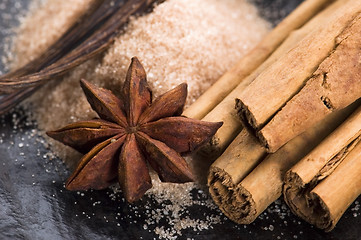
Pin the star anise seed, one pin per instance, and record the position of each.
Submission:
(132, 131)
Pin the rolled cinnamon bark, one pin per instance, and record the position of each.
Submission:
(239, 159)
(225, 111)
(324, 183)
(334, 85)
(335, 194)
(243, 185)
(226, 173)
(220, 89)
(276, 85)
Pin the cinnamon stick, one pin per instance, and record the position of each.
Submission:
(244, 181)
(220, 89)
(225, 111)
(325, 182)
(276, 85)
(334, 85)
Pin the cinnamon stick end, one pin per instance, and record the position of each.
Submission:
(306, 204)
(246, 116)
(233, 200)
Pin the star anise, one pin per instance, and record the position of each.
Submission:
(131, 132)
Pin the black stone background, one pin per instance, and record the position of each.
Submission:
(35, 205)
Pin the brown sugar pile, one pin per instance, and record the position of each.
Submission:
(193, 41)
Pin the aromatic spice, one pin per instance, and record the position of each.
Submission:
(141, 129)
(304, 92)
(323, 184)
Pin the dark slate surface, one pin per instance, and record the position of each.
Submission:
(35, 205)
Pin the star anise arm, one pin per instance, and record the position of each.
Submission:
(181, 134)
(169, 104)
(133, 173)
(136, 92)
(169, 165)
(98, 168)
(84, 135)
(105, 103)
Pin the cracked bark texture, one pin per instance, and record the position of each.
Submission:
(321, 186)
(225, 111)
(271, 90)
(333, 86)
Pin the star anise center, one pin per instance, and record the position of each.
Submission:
(131, 129)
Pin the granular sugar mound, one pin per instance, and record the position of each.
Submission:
(192, 41)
